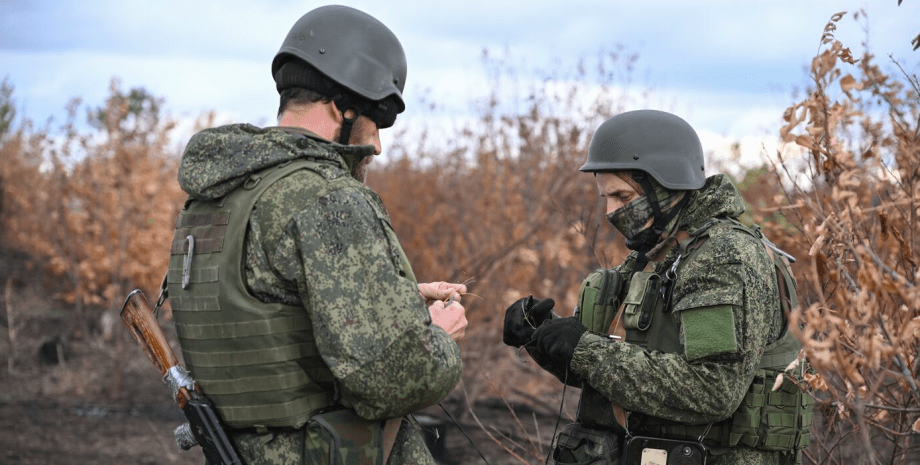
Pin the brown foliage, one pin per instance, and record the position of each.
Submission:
(504, 206)
(857, 217)
(500, 204)
(95, 207)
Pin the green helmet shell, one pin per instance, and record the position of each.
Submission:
(350, 47)
(656, 142)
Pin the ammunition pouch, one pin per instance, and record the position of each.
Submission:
(344, 438)
(766, 420)
(598, 299)
(773, 420)
(641, 300)
(577, 445)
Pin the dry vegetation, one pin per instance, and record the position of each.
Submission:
(500, 204)
(857, 230)
(96, 208)
(503, 206)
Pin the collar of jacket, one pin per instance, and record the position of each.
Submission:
(351, 154)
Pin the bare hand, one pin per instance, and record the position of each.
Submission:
(451, 318)
(441, 291)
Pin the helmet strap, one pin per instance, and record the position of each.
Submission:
(650, 237)
(646, 184)
(347, 125)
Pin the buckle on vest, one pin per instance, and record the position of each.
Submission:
(187, 263)
(252, 182)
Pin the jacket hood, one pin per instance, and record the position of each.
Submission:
(718, 197)
(218, 160)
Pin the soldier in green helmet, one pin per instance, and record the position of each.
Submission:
(296, 308)
(676, 349)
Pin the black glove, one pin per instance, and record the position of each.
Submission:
(523, 317)
(556, 339)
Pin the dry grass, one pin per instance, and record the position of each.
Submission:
(502, 201)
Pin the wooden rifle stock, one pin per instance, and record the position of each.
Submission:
(204, 423)
(139, 318)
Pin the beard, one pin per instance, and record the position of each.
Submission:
(360, 170)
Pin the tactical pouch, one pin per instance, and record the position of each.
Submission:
(347, 439)
(577, 445)
(773, 420)
(641, 450)
(598, 300)
(641, 300)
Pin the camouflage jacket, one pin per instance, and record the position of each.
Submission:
(336, 256)
(731, 267)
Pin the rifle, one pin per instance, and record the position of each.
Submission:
(204, 426)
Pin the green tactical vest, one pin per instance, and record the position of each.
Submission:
(257, 361)
(767, 420)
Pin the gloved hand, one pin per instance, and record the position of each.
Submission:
(440, 291)
(523, 317)
(556, 339)
(451, 318)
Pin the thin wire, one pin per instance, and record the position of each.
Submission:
(565, 383)
(464, 433)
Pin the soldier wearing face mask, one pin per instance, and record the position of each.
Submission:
(675, 349)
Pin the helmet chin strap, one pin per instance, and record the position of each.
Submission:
(648, 239)
(347, 125)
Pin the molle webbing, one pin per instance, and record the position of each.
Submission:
(257, 361)
(767, 420)
(772, 420)
(599, 299)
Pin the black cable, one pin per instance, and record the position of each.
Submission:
(565, 384)
(464, 433)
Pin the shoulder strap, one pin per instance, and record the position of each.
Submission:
(785, 281)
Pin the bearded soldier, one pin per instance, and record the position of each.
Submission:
(296, 309)
(677, 348)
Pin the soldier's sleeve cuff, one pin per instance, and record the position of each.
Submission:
(585, 354)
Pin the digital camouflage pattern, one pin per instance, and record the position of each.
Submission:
(730, 269)
(307, 446)
(323, 240)
(634, 217)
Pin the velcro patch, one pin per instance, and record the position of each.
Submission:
(708, 331)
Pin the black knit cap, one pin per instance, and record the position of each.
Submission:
(298, 73)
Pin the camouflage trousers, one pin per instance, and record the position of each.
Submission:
(305, 446)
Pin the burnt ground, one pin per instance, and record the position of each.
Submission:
(82, 392)
(85, 393)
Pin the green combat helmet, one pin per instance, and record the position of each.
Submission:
(655, 142)
(348, 56)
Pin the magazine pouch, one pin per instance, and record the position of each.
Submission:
(345, 439)
(577, 445)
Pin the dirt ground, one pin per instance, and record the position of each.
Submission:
(90, 396)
